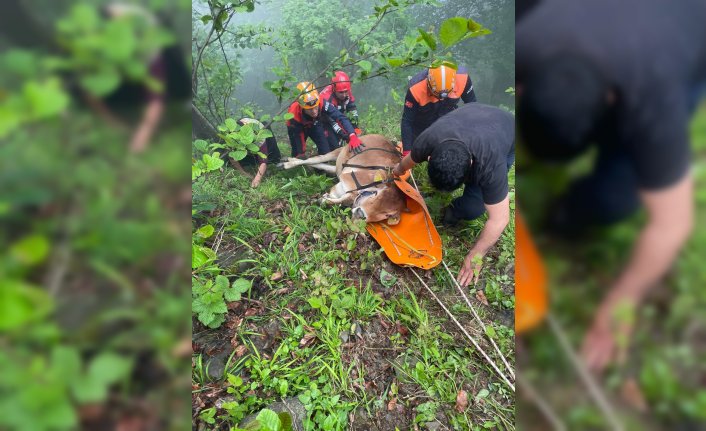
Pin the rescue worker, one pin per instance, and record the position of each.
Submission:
(433, 93)
(473, 145)
(268, 147)
(340, 95)
(307, 110)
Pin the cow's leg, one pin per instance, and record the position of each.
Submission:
(329, 169)
(328, 157)
(338, 195)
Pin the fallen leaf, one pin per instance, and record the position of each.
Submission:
(308, 338)
(461, 401)
(630, 392)
(392, 404)
(287, 230)
(250, 312)
(480, 296)
(240, 351)
(304, 277)
(276, 276)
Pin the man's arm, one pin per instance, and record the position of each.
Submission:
(404, 165)
(498, 218)
(148, 125)
(469, 94)
(670, 221)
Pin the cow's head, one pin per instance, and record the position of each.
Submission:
(384, 202)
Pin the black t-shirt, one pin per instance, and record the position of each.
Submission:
(487, 132)
(653, 51)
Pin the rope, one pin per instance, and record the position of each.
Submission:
(487, 358)
(473, 310)
(420, 252)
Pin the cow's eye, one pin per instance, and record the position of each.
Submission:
(365, 193)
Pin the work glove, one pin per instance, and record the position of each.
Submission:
(354, 144)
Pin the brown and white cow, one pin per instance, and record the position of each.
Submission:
(364, 179)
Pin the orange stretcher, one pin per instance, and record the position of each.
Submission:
(414, 241)
(530, 280)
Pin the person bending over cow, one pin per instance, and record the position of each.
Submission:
(433, 93)
(339, 94)
(268, 147)
(307, 110)
(475, 146)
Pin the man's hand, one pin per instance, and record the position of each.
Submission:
(608, 338)
(470, 270)
(354, 144)
(669, 223)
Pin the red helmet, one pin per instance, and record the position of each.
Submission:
(341, 81)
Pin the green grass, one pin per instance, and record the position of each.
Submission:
(349, 337)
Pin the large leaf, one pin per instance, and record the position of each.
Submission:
(30, 250)
(101, 83)
(238, 154)
(231, 124)
(365, 65)
(428, 39)
(21, 303)
(453, 30)
(46, 99)
(269, 420)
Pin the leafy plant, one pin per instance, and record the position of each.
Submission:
(210, 297)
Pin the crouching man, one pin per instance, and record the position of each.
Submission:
(472, 146)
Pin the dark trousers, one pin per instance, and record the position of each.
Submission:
(316, 133)
(332, 138)
(470, 205)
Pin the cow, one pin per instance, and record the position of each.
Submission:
(365, 180)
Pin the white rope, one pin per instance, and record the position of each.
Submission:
(487, 358)
(593, 389)
(497, 349)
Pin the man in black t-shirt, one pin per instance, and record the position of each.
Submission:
(626, 76)
(473, 145)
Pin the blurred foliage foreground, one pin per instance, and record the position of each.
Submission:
(90, 272)
(93, 331)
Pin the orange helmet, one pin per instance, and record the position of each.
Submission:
(441, 81)
(310, 98)
(341, 81)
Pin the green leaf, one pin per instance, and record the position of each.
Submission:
(201, 145)
(288, 116)
(109, 368)
(473, 26)
(222, 283)
(315, 302)
(213, 161)
(101, 83)
(30, 250)
(205, 231)
(286, 420)
(46, 99)
(428, 39)
(21, 303)
(206, 18)
(482, 393)
(199, 257)
(238, 154)
(395, 62)
(231, 124)
(269, 419)
(242, 285)
(490, 331)
(387, 279)
(365, 65)
(453, 30)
